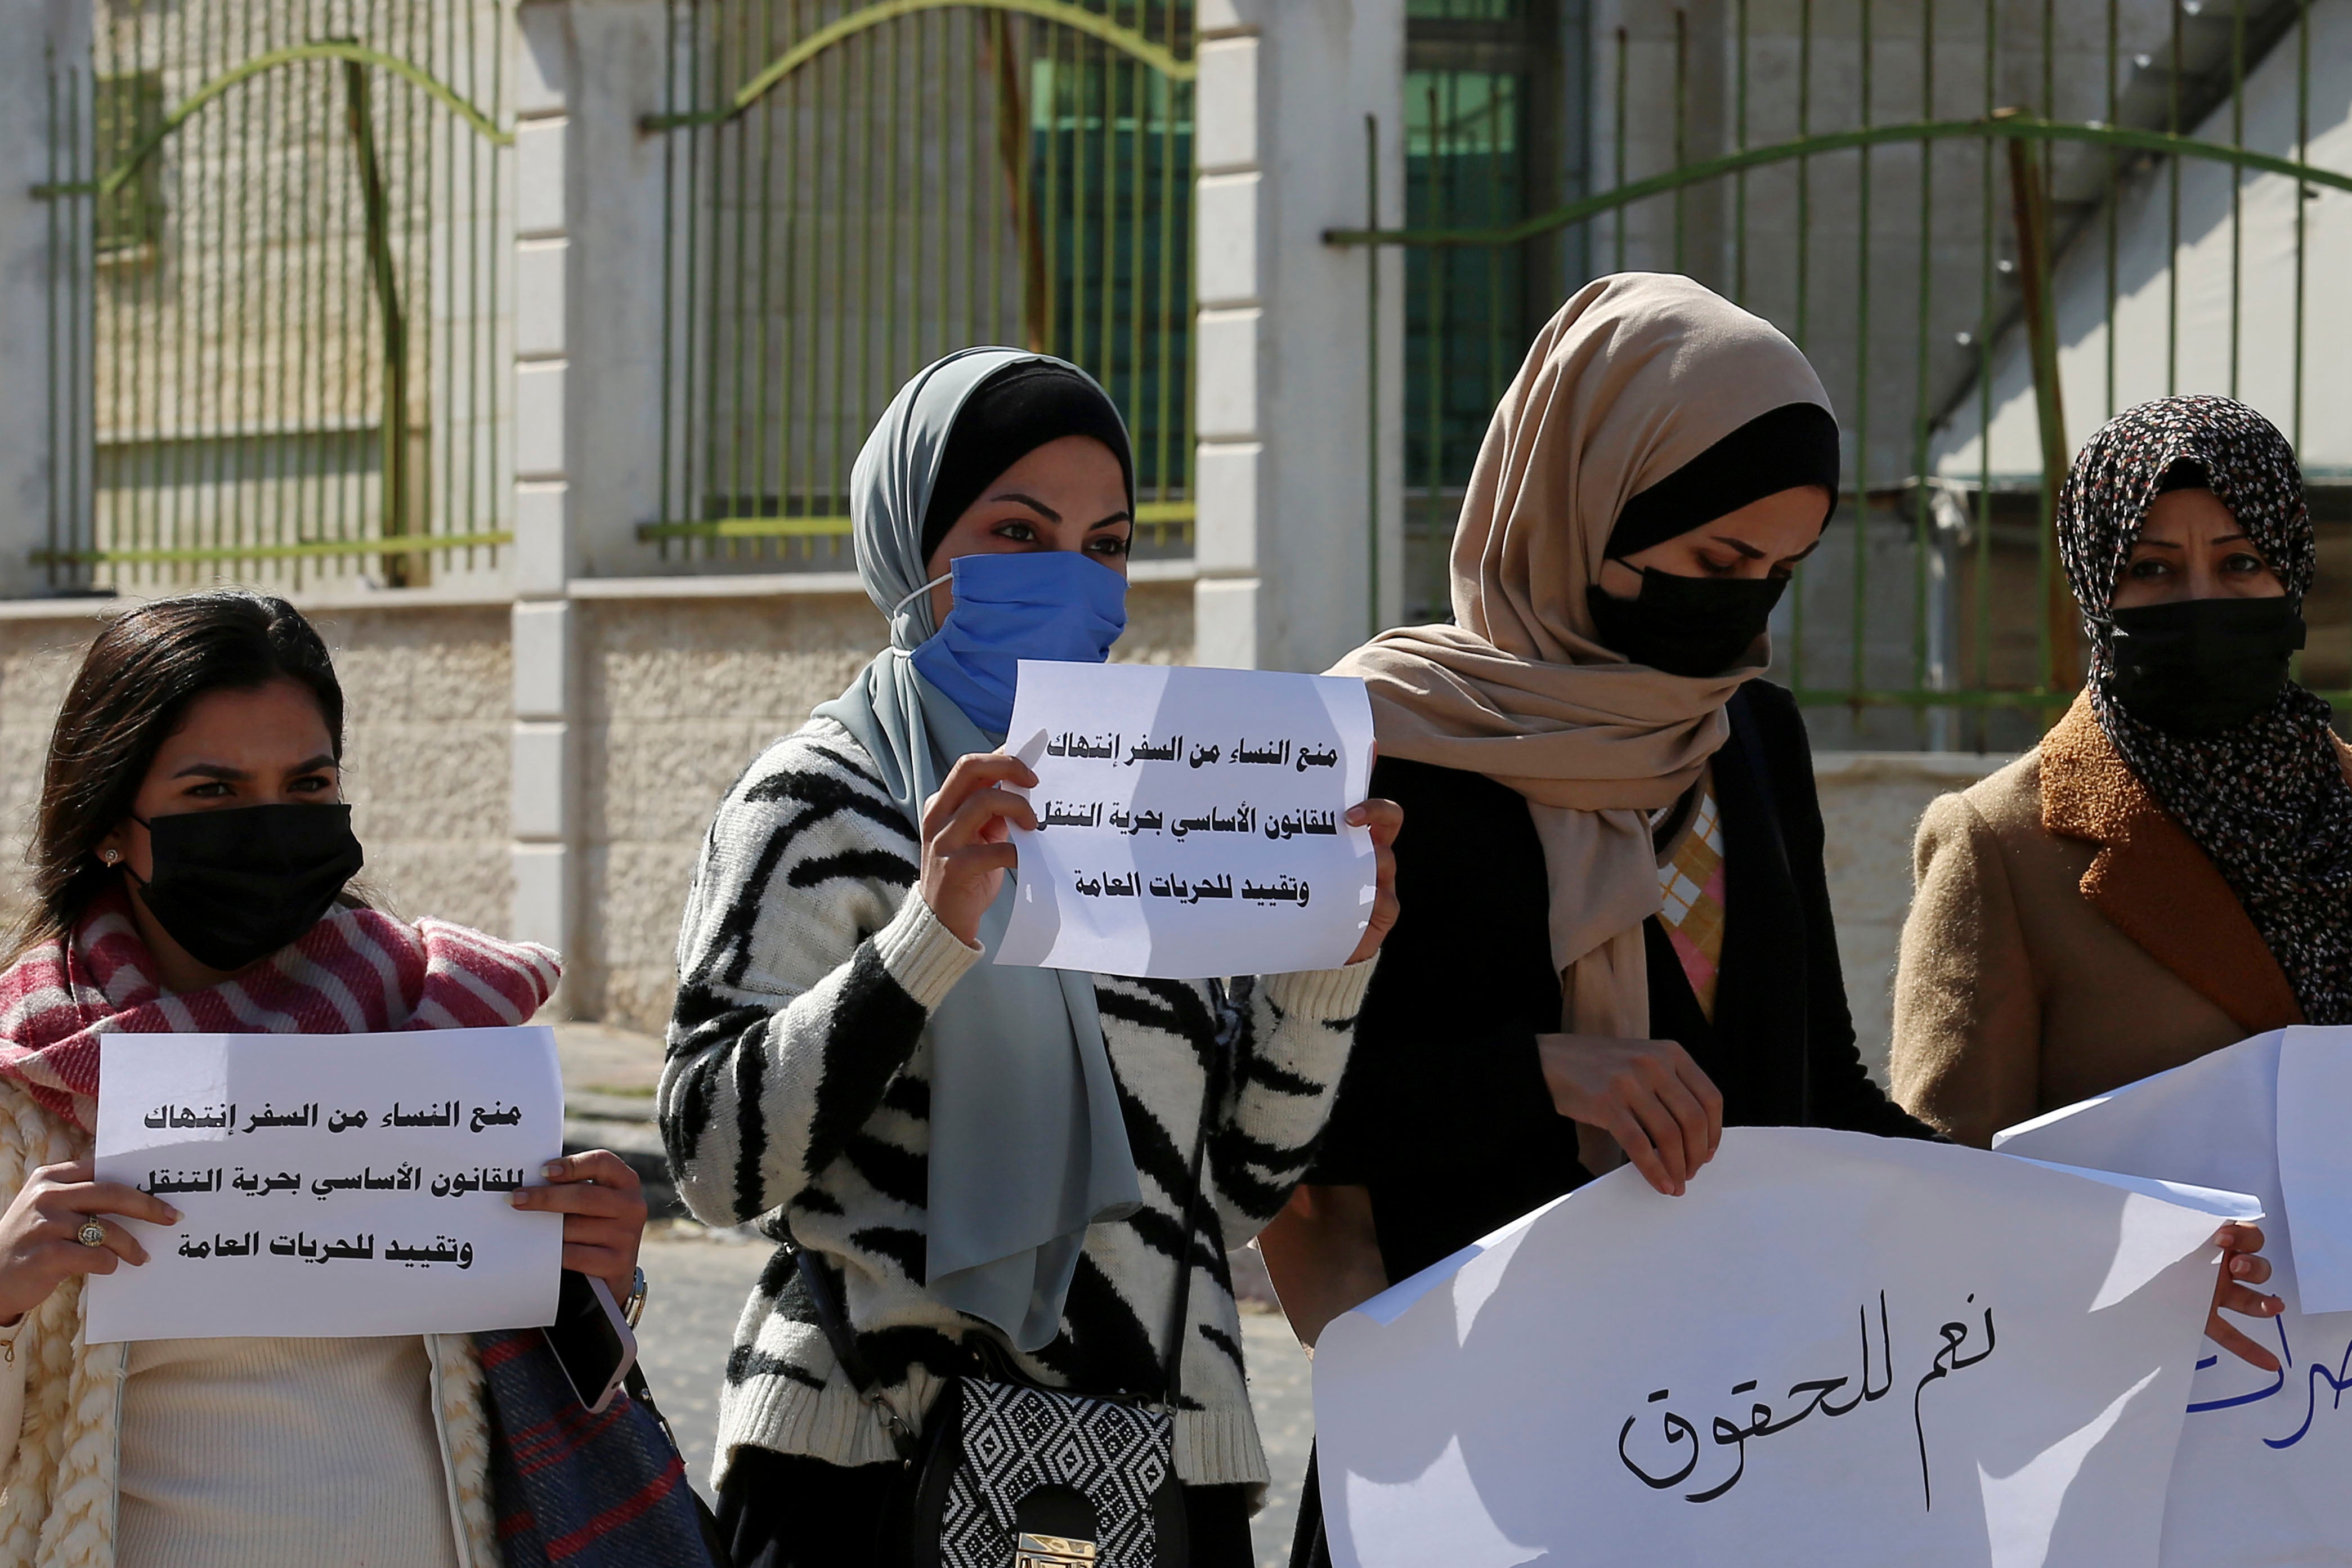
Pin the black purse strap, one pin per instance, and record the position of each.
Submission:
(833, 1319)
(714, 1539)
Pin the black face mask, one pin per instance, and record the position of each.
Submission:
(2198, 666)
(1687, 626)
(235, 886)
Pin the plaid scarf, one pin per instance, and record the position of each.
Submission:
(356, 972)
(2268, 800)
(570, 1488)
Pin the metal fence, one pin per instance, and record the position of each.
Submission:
(1939, 202)
(854, 189)
(277, 322)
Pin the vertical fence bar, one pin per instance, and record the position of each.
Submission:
(1739, 143)
(1861, 611)
(2172, 233)
(1133, 293)
(1984, 366)
(1926, 553)
(695, 403)
(2302, 192)
(59, 267)
(738, 314)
(2237, 180)
(1434, 265)
(667, 509)
(1682, 118)
(766, 501)
(1372, 373)
(2113, 200)
(1804, 182)
(1166, 92)
(1617, 218)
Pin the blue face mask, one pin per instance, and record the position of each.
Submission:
(1040, 603)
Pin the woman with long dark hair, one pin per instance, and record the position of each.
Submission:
(190, 872)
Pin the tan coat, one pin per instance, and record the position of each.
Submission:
(2066, 937)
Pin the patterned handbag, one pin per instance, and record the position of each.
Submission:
(1007, 1474)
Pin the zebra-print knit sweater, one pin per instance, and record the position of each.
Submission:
(797, 1091)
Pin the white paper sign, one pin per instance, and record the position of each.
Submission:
(1191, 822)
(1835, 1350)
(331, 1185)
(2315, 1159)
(2260, 1474)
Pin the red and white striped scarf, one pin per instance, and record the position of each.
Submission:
(356, 972)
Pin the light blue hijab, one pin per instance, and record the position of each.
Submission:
(1027, 1144)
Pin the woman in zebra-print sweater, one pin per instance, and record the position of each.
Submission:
(972, 1155)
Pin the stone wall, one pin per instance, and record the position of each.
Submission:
(680, 694)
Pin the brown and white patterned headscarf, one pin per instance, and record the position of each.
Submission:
(2268, 801)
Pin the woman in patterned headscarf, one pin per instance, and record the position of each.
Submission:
(2171, 869)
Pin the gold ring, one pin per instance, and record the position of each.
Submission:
(91, 1233)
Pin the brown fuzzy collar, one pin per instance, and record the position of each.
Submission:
(2152, 880)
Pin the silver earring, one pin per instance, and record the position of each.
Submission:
(111, 855)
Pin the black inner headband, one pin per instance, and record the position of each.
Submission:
(1006, 417)
(1795, 444)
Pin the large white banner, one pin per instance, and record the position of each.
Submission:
(1192, 822)
(1835, 1350)
(2266, 1459)
(331, 1185)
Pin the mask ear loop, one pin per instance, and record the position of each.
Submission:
(123, 864)
(942, 577)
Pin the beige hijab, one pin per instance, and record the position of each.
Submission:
(1638, 374)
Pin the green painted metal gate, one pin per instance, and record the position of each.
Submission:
(854, 189)
(276, 324)
(1895, 182)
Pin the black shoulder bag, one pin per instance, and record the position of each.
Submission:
(1008, 1474)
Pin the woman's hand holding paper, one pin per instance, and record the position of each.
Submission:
(967, 838)
(1385, 819)
(1647, 1094)
(603, 1209)
(2234, 1290)
(39, 1248)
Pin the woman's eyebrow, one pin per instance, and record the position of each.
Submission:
(220, 771)
(1746, 550)
(323, 761)
(1113, 521)
(2156, 544)
(1032, 503)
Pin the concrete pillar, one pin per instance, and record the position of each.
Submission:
(44, 297)
(1300, 460)
(588, 227)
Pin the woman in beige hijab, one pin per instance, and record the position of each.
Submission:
(1615, 935)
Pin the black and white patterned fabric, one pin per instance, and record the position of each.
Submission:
(797, 1093)
(2267, 801)
(1018, 1439)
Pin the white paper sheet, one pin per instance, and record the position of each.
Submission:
(1190, 820)
(2259, 1480)
(2314, 1158)
(331, 1185)
(1835, 1350)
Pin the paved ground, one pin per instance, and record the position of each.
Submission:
(700, 1281)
